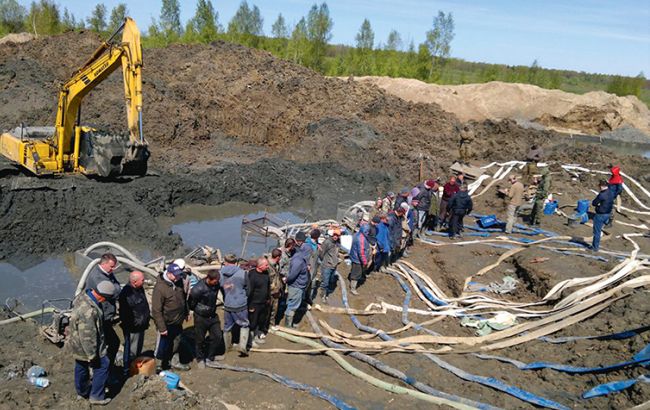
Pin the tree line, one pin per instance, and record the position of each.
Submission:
(307, 42)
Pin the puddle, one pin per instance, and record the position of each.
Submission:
(618, 147)
(49, 279)
(32, 281)
(221, 227)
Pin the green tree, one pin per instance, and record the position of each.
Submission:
(394, 41)
(170, 20)
(623, 86)
(97, 19)
(44, 18)
(12, 17)
(365, 37)
(205, 23)
(246, 21)
(319, 33)
(438, 42)
(118, 14)
(298, 43)
(68, 22)
(279, 28)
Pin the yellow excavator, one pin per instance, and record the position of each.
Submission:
(70, 147)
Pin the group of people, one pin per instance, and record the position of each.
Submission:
(247, 303)
(254, 293)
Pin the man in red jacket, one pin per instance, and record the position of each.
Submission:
(615, 185)
(449, 190)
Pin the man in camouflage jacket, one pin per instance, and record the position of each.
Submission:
(87, 342)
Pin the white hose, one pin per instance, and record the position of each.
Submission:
(113, 245)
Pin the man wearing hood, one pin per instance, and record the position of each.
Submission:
(459, 206)
(360, 257)
(169, 310)
(424, 203)
(615, 186)
(235, 302)
(298, 277)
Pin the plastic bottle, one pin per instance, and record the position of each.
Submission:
(41, 382)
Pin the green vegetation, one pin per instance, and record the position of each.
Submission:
(308, 43)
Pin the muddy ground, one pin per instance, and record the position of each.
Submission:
(229, 123)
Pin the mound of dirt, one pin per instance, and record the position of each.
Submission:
(205, 104)
(590, 113)
(17, 38)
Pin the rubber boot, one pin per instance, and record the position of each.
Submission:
(176, 363)
(353, 287)
(227, 340)
(243, 340)
(288, 320)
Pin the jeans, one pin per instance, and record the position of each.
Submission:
(168, 345)
(94, 389)
(132, 348)
(326, 280)
(599, 221)
(294, 300)
(231, 319)
(422, 217)
(511, 216)
(211, 326)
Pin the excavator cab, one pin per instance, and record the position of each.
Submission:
(70, 147)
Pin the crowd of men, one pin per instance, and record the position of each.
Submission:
(254, 294)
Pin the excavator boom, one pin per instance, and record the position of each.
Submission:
(71, 147)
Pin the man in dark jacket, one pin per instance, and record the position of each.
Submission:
(235, 302)
(258, 292)
(459, 206)
(298, 277)
(203, 301)
(424, 203)
(169, 310)
(134, 317)
(604, 203)
(329, 254)
(448, 191)
(403, 197)
(360, 257)
(104, 272)
(395, 221)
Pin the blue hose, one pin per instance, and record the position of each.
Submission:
(614, 387)
(640, 359)
(292, 384)
(487, 381)
(610, 336)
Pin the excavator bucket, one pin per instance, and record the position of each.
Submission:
(112, 155)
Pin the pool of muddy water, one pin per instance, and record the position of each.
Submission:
(32, 281)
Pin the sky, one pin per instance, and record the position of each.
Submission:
(596, 36)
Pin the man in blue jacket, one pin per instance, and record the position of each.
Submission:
(383, 243)
(235, 303)
(298, 277)
(360, 257)
(604, 203)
